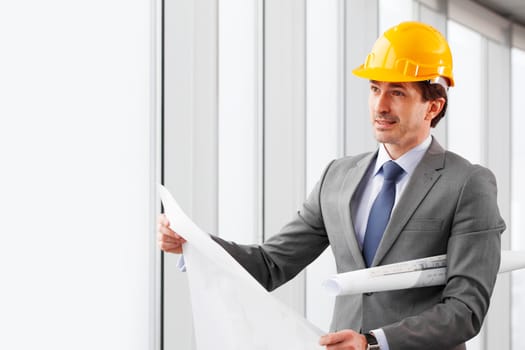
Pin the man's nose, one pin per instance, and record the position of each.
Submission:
(381, 103)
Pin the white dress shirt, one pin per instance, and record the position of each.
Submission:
(369, 189)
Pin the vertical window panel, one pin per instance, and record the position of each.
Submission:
(518, 194)
(323, 130)
(497, 154)
(466, 103)
(238, 179)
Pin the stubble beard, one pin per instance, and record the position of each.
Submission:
(385, 135)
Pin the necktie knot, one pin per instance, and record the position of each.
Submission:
(392, 171)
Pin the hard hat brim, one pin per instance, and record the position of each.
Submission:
(391, 76)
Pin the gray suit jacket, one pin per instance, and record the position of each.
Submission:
(448, 207)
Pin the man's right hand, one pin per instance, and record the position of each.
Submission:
(168, 240)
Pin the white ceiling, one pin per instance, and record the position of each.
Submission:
(513, 10)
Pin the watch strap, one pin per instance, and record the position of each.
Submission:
(371, 341)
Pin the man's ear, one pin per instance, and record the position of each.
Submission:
(434, 108)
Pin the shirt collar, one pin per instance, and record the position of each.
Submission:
(407, 161)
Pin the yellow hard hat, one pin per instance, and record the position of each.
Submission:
(410, 51)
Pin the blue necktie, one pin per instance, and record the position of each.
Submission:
(380, 211)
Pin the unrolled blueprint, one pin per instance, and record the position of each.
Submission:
(231, 310)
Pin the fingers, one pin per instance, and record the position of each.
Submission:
(170, 243)
(332, 338)
(168, 240)
(166, 230)
(343, 340)
(163, 220)
(170, 247)
(164, 227)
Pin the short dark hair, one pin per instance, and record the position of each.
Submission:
(431, 92)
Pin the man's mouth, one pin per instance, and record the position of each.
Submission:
(383, 122)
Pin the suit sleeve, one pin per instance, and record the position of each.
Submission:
(284, 255)
(473, 256)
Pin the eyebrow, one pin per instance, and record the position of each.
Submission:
(392, 85)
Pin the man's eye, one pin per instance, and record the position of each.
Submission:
(374, 88)
(397, 93)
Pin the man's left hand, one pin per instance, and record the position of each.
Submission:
(344, 340)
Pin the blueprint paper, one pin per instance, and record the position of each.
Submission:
(511, 260)
(424, 272)
(231, 310)
(361, 281)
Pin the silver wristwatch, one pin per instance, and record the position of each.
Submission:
(371, 342)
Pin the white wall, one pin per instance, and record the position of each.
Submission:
(78, 156)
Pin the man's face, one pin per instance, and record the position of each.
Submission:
(400, 117)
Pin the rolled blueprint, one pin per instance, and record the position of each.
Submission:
(424, 272)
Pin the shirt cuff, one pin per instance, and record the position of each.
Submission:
(181, 264)
(381, 338)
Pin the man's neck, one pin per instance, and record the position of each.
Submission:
(396, 151)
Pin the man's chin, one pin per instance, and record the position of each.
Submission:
(383, 137)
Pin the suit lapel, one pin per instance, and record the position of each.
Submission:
(351, 182)
(423, 178)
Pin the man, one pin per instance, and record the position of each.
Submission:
(409, 199)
